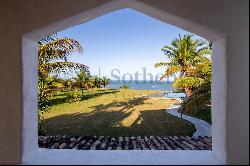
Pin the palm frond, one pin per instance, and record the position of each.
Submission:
(188, 81)
(170, 71)
(160, 64)
(57, 67)
(58, 49)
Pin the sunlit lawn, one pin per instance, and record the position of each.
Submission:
(115, 113)
(204, 114)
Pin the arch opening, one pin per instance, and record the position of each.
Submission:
(29, 49)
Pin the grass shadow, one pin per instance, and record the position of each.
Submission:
(101, 122)
(62, 97)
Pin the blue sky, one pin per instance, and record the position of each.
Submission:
(125, 40)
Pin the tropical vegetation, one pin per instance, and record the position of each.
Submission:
(65, 105)
(52, 59)
(105, 81)
(190, 60)
(125, 86)
(114, 112)
(82, 80)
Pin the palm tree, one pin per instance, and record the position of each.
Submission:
(67, 84)
(96, 81)
(201, 95)
(184, 54)
(52, 58)
(82, 80)
(105, 81)
(53, 53)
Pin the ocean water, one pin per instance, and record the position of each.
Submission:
(146, 85)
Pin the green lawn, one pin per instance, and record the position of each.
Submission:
(114, 113)
(202, 114)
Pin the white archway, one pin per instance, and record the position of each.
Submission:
(32, 154)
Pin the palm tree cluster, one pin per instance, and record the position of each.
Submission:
(85, 81)
(82, 81)
(187, 57)
(52, 59)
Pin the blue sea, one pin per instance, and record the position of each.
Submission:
(146, 85)
(163, 86)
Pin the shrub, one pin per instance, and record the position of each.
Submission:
(43, 106)
(201, 99)
(125, 87)
(73, 96)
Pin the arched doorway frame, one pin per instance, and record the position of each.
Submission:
(32, 154)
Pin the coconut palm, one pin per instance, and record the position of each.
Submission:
(105, 81)
(68, 83)
(96, 81)
(83, 80)
(53, 53)
(201, 95)
(52, 58)
(184, 54)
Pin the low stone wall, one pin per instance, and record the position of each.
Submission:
(126, 143)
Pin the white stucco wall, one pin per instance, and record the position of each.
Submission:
(222, 17)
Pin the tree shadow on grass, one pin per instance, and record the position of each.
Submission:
(62, 97)
(124, 104)
(97, 94)
(101, 122)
